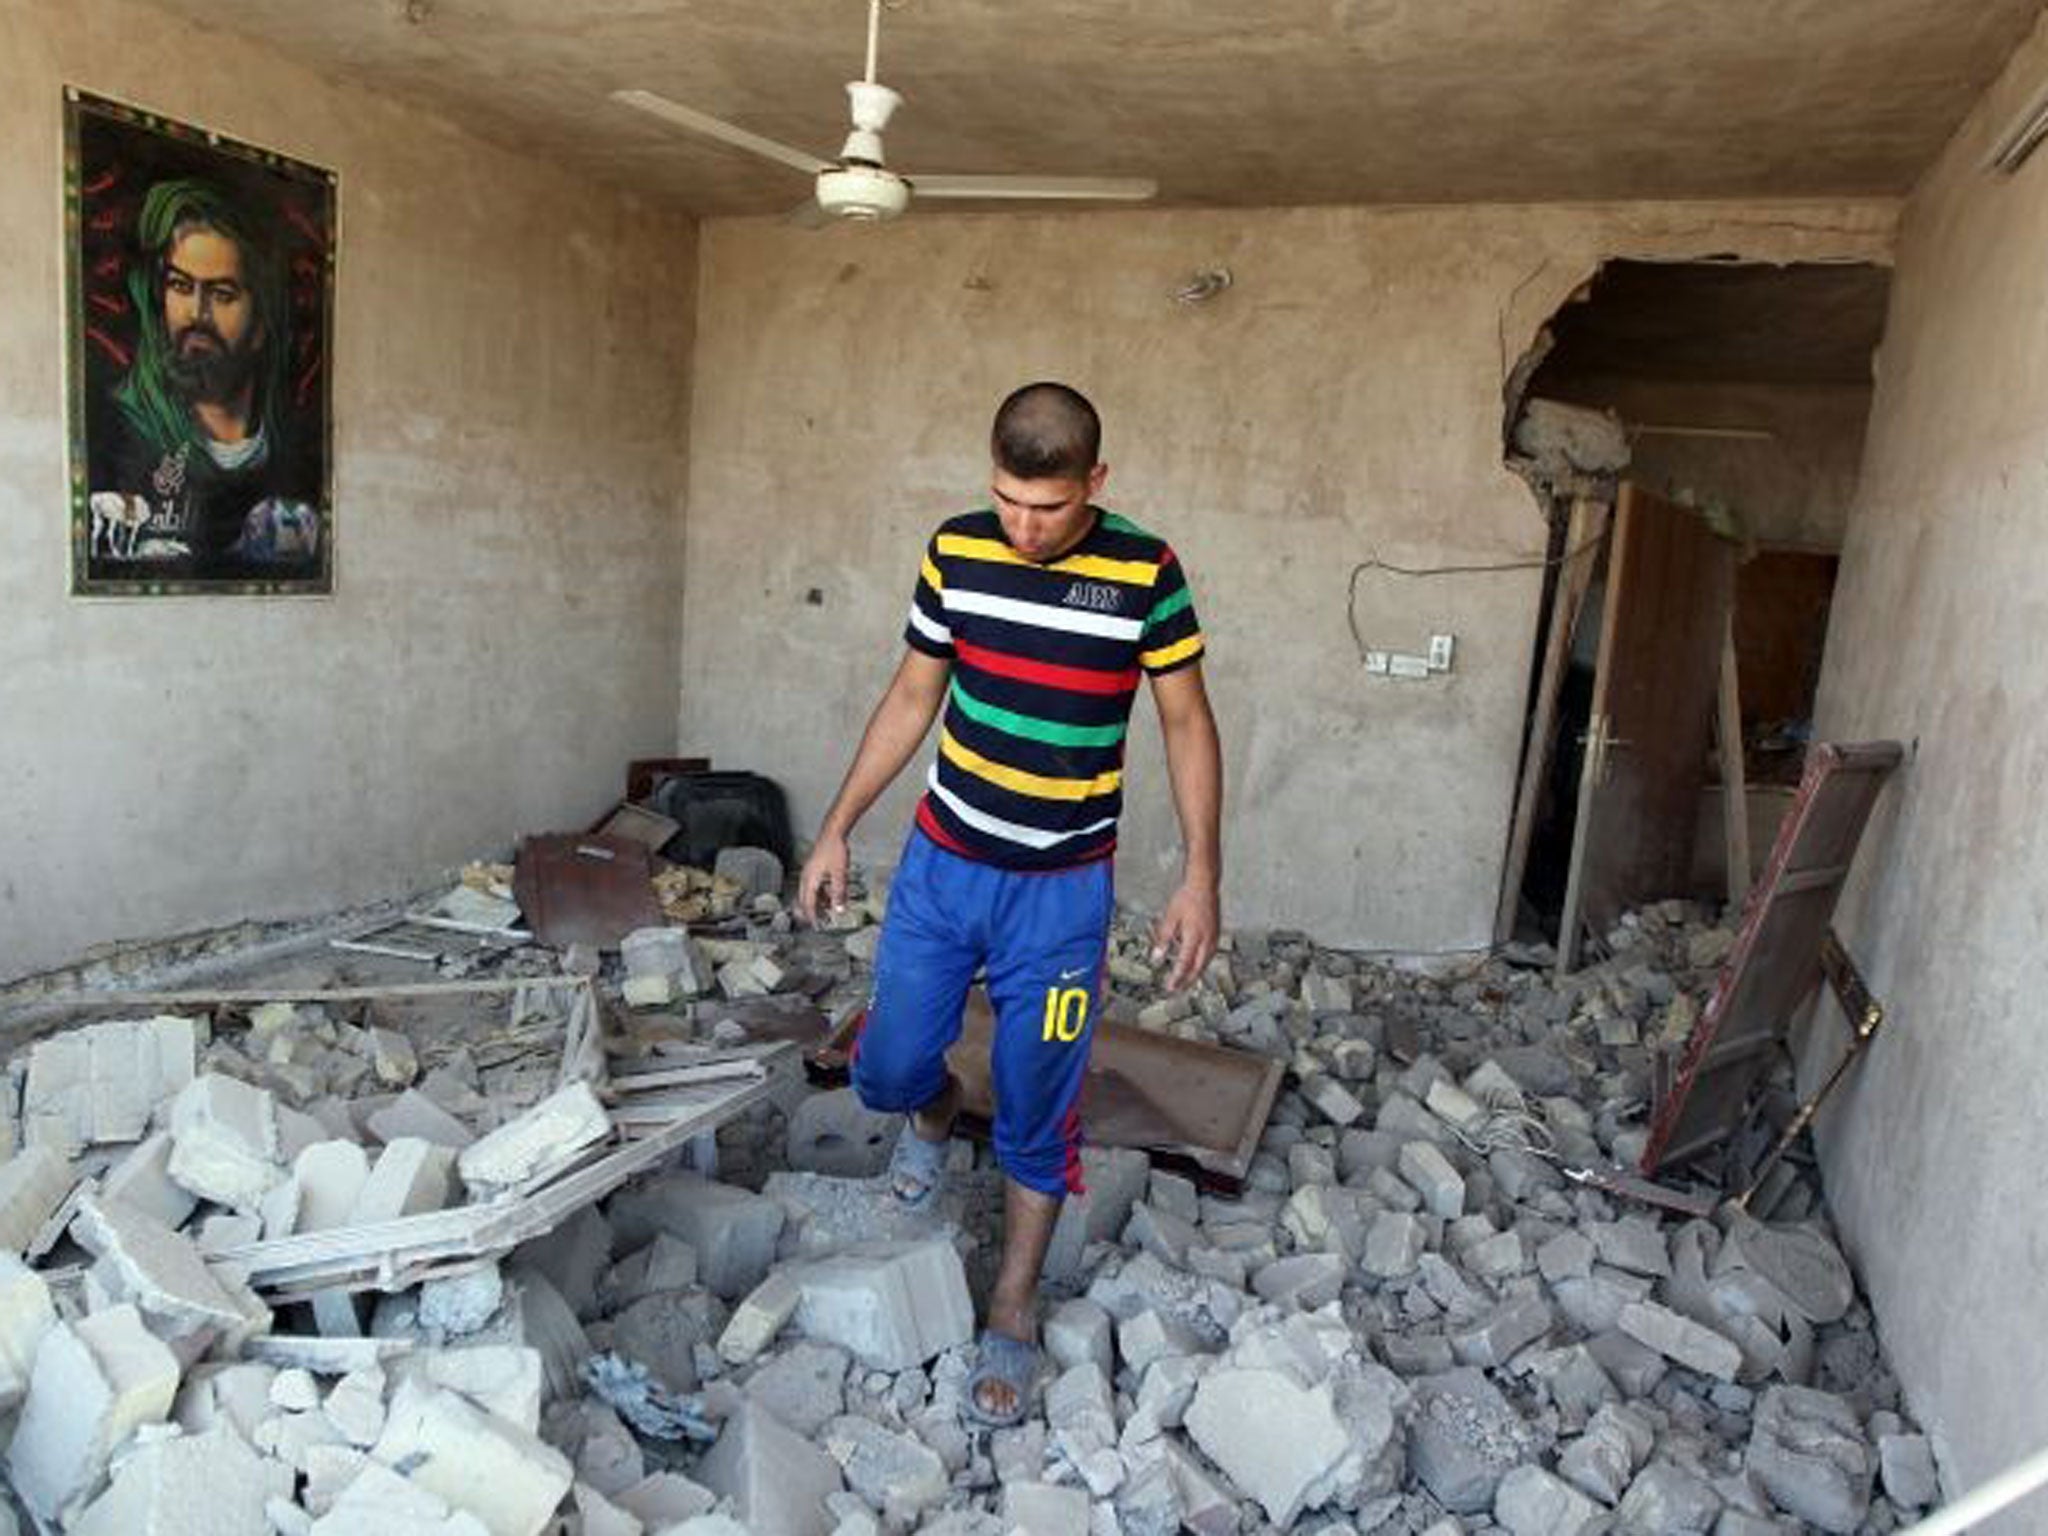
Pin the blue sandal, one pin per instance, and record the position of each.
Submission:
(1010, 1361)
(917, 1169)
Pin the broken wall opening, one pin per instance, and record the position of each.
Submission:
(1734, 395)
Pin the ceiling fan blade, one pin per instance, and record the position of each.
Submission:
(715, 128)
(1109, 189)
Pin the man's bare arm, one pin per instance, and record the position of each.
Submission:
(1193, 918)
(894, 732)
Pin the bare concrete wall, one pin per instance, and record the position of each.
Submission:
(1934, 1155)
(1341, 402)
(510, 369)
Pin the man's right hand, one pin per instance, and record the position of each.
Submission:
(823, 882)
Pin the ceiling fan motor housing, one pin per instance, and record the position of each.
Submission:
(862, 192)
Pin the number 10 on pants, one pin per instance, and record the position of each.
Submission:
(1066, 1014)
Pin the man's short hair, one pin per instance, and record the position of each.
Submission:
(1046, 431)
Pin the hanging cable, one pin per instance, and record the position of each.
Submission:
(1377, 564)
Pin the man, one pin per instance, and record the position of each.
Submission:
(1033, 622)
(198, 428)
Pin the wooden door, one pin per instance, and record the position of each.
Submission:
(1669, 582)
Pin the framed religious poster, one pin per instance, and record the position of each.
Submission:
(199, 301)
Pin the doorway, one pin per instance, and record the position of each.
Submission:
(1694, 549)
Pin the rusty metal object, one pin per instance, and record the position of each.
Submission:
(1866, 1017)
(584, 888)
(1777, 958)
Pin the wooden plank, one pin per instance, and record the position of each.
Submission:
(1734, 783)
(1587, 527)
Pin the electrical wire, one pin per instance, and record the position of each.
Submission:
(1374, 563)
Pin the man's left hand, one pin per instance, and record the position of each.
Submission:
(1187, 930)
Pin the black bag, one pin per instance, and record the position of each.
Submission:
(723, 810)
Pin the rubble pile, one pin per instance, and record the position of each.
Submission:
(1411, 1318)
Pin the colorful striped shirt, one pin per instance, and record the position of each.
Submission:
(1045, 662)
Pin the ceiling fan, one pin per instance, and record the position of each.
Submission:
(859, 185)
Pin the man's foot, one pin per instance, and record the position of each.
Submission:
(1000, 1386)
(917, 1169)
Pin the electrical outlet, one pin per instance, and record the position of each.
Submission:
(1400, 664)
(1440, 647)
(1376, 662)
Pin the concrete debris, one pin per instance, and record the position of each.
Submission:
(1406, 1321)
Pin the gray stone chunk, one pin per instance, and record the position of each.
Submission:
(103, 1082)
(1681, 1339)
(758, 871)
(410, 1176)
(1530, 1502)
(1807, 1449)
(1636, 1368)
(892, 1305)
(733, 1231)
(1567, 1256)
(834, 1133)
(1665, 1500)
(1045, 1509)
(1604, 1459)
(1431, 1175)
(776, 1479)
(803, 1386)
(94, 1384)
(1464, 1439)
(1393, 1244)
(1633, 1244)
(142, 1179)
(894, 1473)
(1079, 1330)
(225, 1145)
(1275, 1439)
(143, 1261)
(1509, 1328)
(531, 1145)
(412, 1113)
(1302, 1280)
(33, 1183)
(1907, 1464)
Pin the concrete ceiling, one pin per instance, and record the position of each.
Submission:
(1276, 102)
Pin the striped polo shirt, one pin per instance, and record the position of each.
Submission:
(1045, 662)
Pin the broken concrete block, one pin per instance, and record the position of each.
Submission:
(892, 1305)
(454, 1306)
(412, 1113)
(26, 1314)
(1275, 1439)
(183, 1483)
(757, 871)
(1634, 1367)
(329, 1176)
(1604, 1459)
(1332, 1100)
(33, 1183)
(1631, 1244)
(392, 1058)
(379, 1502)
(1302, 1280)
(534, 1144)
(575, 1257)
(1807, 1449)
(509, 1479)
(355, 1406)
(1666, 1500)
(409, 1176)
(802, 1386)
(1804, 1268)
(1530, 1502)
(1431, 1175)
(1207, 1507)
(1907, 1465)
(103, 1082)
(1045, 1509)
(733, 1231)
(94, 1383)
(1159, 1233)
(1393, 1244)
(834, 1133)
(224, 1142)
(1150, 1335)
(599, 1516)
(756, 1321)
(162, 1272)
(1681, 1339)
(776, 1480)
(1567, 1256)
(1453, 1105)
(1079, 1330)
(894, 1473)
(666, 1264)
(505, 1380)
(142, 1179)
(1464, 1439)
(1508, 1329)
